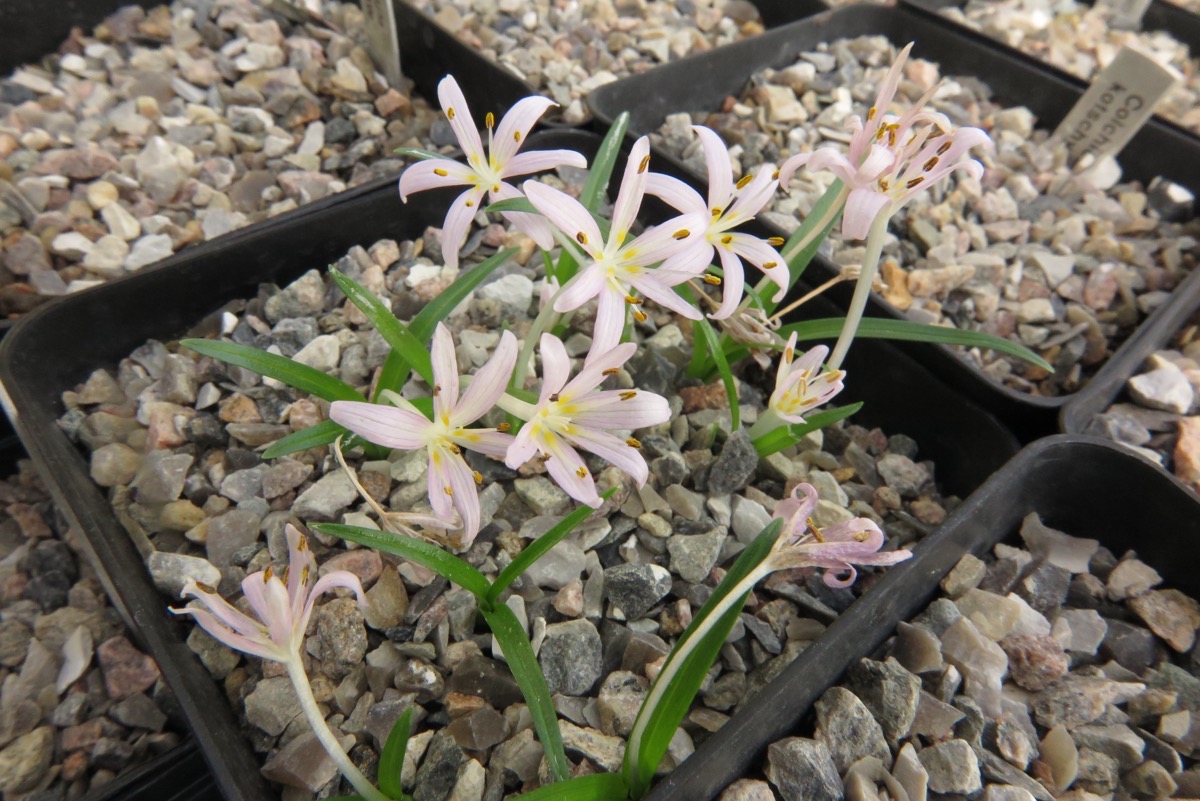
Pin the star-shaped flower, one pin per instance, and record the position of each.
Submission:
(486, 173)
(801, 384)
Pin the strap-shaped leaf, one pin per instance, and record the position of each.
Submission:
(395, 369)
(596, 787)
(423, 553)
(281, 368)
(322, 433)
(643, 754)
(394, 332)
(418, 153)
(391, 760)
(602, 166)
(520, 204)
(713, 344)
(777, 439)
(538, 548)
(525, 669)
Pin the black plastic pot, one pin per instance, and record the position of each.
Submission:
(703, 82)
(1081, 485)
(29, 29)
(1155, 333)
(1175, 20)
(178, 775)
(58, 345)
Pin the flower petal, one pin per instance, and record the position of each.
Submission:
(732, 285)
(542, 160)
(674, 193)
(583, 286)
(535, 226)
(663, 241)
(756, 194)
(445, 373)
(766, 258)
(633, 187)
(720, 169)
(262, 648)
(434, 174)
(664, 296)
(268, 597)
(229, 615)
(567, 214)
(454, 104)
(862, 207)
(458, 222)
(556, 366)
(301, 566)
(610, 320)
(487, 441)
(616, 452)
(488, 383)
(568, 470)
(330, 581)
(595, 369)
(618, 411)
(382, 425)
(515, 126)
(437, 482)
(522, 448)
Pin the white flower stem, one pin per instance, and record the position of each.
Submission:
(862, 291)
(516, 407)
(679, 656)
(543, 322)
(325, 735)
(767, 421)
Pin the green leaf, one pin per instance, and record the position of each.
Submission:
(322, 433)
(423, 553)
(718, 355)
(596, 787)
(395, 369)
(417, 152)
(538, 548)
(602, 166)
(394, 332)
(292, 373)
(528, 674)
(643, 756)
(814, 232)
(777, 439)
(391, 760)
(513, 204)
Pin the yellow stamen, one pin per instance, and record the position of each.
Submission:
(816, 532)
(450, 113)
(775, 241)
(628, 394)
(929, 165)
(871, 113)
(711, 280)
(448, 490)
(516, 136)
(611, 371)
(915, 181)
(470, 203)
(775, 175)
(727, 239)
(304, 575)
(862, 536)
(581, 472)
(717, 211)
(495, 187)
(268, 574)
(440, 171)
(883, 184)
(632, 301)
(490, 120)
(553, 397)
(581, 238)
(639, 315)
(206, 588)
(645, 163)
(745, 179)
(455, 449)
(770, 265)
(302, 544)
(682, 233)
(941, 151)
(633, 443)
(503, 427)
(478, 477)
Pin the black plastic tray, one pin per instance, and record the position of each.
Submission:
(1180, 23)
(59, 344)
(1083, 486)
(1156, 333)
(704, 81)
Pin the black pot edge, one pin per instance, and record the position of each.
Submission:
(1161, 15)
(1029, 416)
(1120, 501)
(35, 399)
(181, 774)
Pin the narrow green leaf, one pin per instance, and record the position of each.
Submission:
(394, 332)
(718, 356)
(391, 760)
(292, 373)
(395, 368)
(528, 674)
(538, 548)
(423, 553)
(815, 228)
(604, 162)
(596, 787)
(777, 439)
(417, 152)
(642, 757)
(513, 204)
(322, 433)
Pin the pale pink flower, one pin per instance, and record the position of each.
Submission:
(619, 268)
(729, 205)
(452, 482)
(486, 173)
(801, 384)
(837, 548)
(892, 158)
(283, 605)
(577, 414)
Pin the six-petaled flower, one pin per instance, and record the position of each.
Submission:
(801, 384)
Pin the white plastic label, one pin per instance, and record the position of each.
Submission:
(1121, 99)
(382, 41)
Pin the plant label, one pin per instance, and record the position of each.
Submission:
(1127, 14)
(382, 41)
(1122, 97)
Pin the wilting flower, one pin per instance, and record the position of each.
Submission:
(283, 605)
(486, 172)
(801, 384)
(837, 548)
(729, 205)
(452, 482)
(892, 158)
(618, 268)
(577, 414)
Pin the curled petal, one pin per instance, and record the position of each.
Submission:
(675, 193)
(255, 646)
(566, 214)
(663, 241)
(434, 174)
(445, 373)
(795, 510)
(382, 425)
(789, 167)
(301, 565)
(633, 187)
(719, 166)
(327, 583)
(568, 470)
(454, 105)
(556, 365)
(733, 284)
(514, 128)
(534, 226)
(615, 451)
(542, 160)
(583, 286)
(268, 597)
(489, 382)
(458, 221)
(766, 258)
(862, 207)
(610, 320)
(226, 613)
